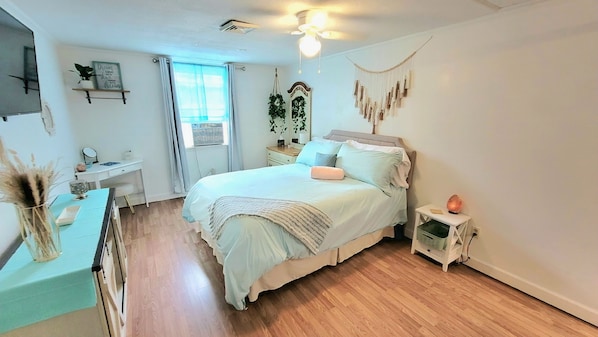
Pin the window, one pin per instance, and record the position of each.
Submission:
(202, 98)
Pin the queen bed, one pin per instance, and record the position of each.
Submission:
(272, 225)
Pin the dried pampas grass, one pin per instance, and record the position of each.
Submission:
(21, 184)
(28, 187)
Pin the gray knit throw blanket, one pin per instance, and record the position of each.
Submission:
(307, 223)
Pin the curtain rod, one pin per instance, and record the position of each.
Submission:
(237, 66)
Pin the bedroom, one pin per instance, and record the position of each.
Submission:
(501, 113)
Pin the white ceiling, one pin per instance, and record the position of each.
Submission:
(190, 28)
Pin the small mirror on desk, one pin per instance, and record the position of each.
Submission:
(90, 156)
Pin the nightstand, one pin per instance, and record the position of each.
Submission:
(432, 246)
(281, 155)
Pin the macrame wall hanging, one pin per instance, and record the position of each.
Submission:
(380, 93)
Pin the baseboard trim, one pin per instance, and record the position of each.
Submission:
(137, 199)
(567, 305)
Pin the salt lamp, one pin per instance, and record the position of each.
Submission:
(454, 204)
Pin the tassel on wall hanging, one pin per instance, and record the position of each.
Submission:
(381, 93)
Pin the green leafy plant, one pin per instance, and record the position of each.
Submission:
(84, 72)
(298, 114)
(277, 113)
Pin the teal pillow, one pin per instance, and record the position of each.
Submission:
(372, 167)
(307, 156)
(324, 159)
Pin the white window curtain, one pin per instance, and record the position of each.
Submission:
(176, 147)
(235, 156)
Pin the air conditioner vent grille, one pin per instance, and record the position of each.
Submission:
(236, 26)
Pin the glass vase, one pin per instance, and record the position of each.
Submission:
(40, 232)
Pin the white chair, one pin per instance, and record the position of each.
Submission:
(123, 190)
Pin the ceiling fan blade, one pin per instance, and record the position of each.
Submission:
(297, 32)
(336, 35)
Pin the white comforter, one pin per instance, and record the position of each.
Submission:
(250, 246)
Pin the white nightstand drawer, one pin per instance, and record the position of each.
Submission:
(281, 157)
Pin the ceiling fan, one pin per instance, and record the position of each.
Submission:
(312, 25)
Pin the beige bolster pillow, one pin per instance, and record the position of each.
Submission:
(326, 172)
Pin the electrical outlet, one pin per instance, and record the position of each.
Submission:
(476, 231)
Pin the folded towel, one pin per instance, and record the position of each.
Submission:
(326, 172)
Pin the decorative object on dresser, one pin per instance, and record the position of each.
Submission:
(28, 188)
(79, 188)
(438, 234)
(300, 102)
(277, 111)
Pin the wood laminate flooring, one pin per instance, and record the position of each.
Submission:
(176, 288)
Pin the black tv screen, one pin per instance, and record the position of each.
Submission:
(19, 87)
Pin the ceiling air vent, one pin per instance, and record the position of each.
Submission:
(236, 26)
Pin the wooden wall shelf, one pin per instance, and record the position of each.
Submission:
(87, 91)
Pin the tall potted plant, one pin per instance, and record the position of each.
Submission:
(277, 111)
(85, 73)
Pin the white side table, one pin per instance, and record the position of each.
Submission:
(455, 241)
(281, 155)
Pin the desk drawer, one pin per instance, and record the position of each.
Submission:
(122, 170)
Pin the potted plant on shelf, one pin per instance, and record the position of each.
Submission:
(85, 73)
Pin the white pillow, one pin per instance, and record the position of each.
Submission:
(400, 179)
(324, 140)
(372, 167)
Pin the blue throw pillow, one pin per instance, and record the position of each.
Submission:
(324, 159)
(307, 156)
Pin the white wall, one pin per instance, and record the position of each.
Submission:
(112, 127)
(254, 85)
(26, 134)
(502, 112)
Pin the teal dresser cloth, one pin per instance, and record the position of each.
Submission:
(31, 292)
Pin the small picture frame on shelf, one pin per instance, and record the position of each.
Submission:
(107, 75)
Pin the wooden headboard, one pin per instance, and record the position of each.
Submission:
(367, 138)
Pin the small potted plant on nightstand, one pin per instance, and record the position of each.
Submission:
(85, 73)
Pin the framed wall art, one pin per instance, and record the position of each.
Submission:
(107, 75)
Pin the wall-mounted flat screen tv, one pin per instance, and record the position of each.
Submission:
(19, 87)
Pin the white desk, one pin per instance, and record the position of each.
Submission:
(98, 172)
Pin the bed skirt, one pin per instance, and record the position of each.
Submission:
(291, 270)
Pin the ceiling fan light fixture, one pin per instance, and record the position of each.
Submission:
(309, 45)
(312, 20)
